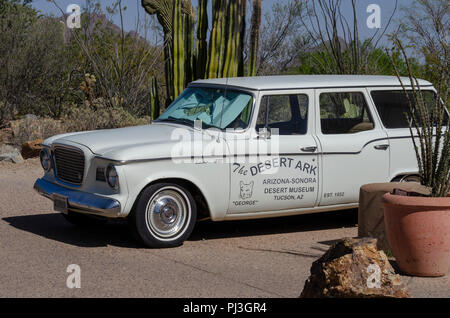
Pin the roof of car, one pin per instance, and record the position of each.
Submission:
(308, 81)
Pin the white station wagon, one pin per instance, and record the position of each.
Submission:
(236, 148)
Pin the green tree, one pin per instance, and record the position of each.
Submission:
(123, 63)
(34, 62)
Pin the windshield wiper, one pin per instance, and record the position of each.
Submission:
(185, 121)
(182, 121)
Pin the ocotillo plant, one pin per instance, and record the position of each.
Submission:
(431, 125)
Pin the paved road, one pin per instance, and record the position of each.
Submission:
(263, 258)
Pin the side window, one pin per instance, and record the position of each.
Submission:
(344, 113)
(287, 113)
(393, 106)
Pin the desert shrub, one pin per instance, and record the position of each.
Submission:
(97, 115)
(89, 116)
(31, 128)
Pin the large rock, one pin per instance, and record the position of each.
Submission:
(31, 149)
(371, 209)
(10, 154)
(353, 268)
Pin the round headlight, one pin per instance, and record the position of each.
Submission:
(46, 159)
(111, 177)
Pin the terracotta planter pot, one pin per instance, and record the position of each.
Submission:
(418, 230)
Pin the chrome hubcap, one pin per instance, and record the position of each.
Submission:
(166, 213)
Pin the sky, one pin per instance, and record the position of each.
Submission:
(134, 8)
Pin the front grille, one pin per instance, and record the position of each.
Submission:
(69, 164)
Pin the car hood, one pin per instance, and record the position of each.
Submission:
(101, 142)
(156, 140)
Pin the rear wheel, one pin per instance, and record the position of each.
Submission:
(407, 178)
(164, 215)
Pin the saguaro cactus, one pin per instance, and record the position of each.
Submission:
(224, 55)
(164, 12)
(216, 47)
(254, 37)
(201, 56)
(154, 99)
(226, 42)
(188, 16)
(176, 18)
(234, 48)
(179, 50)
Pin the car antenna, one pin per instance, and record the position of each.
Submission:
(223, 105)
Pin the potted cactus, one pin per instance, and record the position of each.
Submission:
(418, 227)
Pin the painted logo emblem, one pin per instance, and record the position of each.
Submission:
(246, 190)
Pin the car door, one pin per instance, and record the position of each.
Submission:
(354, 146)
(279, 170)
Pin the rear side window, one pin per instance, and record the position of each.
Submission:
(344, 113)
(393, 107)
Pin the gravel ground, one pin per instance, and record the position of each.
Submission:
(262, 258)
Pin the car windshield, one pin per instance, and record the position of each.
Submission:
(215, 107)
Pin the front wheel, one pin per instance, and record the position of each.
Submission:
(164, 215)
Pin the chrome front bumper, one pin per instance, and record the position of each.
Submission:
(78, 201)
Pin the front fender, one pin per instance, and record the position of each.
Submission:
(211, 178)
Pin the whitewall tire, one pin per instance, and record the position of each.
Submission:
(164, 215)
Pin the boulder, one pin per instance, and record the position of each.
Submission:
(31, 149)
(354, 268)
(10, 154)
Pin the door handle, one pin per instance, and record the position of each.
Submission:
(309, 149)
(381, 147)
